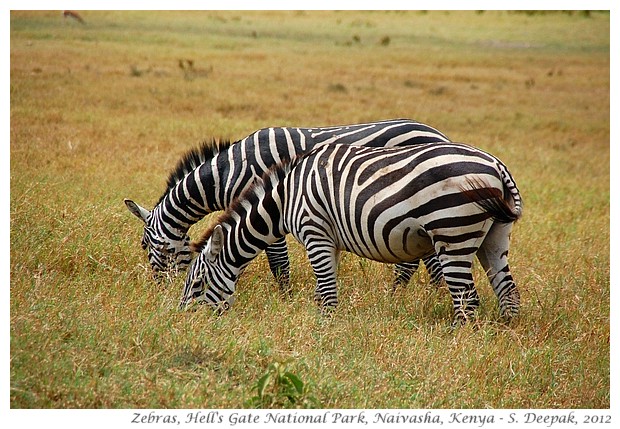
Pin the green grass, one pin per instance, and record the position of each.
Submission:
(102, 112)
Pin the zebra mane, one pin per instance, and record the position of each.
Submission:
(192, 160)
(256, 190)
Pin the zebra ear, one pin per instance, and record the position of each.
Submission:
(216, 242)
(138, 211)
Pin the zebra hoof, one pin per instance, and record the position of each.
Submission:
(509, 318)
(286, 290)
(457, 322)
(509, 307)
(327, 311)
(461, 318)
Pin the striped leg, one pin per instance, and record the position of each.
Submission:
(433, 267)
(493, 256)
(403, 273)
(456, 265)
(277, 255)
(324, 260)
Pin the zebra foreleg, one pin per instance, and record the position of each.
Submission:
(277, 256)
(324, 261)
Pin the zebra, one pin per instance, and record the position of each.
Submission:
(385, 204)
(209, 177)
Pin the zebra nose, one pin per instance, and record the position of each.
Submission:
(183, 305)
(187, 304)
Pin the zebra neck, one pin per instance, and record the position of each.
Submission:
(190, 200)
(252, 226)
(243, 247)
(178, 213)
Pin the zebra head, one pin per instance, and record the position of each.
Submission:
(206, 283)
(167, 251)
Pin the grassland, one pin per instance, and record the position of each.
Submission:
(102, 111)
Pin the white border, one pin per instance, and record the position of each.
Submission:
(123, 418)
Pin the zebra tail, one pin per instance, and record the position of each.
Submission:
(492, 201)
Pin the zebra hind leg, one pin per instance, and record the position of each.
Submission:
(403, 273)
(493, 256)
(277, 256)
(433, 267)
(459, 280)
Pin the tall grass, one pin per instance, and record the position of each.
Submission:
(102, 111)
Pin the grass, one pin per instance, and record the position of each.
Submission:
(102, 111)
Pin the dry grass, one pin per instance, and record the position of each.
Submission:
(101, 112)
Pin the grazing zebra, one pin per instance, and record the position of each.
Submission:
(388, 204)
(208, 178)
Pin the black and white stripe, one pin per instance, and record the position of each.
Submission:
(208, 178)
(390, 205)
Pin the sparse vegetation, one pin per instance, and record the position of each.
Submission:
(280, 388)
(90, 126)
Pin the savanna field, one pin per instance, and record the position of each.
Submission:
(102, 111)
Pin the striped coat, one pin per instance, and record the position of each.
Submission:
(389, 205)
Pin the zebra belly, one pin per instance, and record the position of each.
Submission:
(406, 242)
